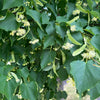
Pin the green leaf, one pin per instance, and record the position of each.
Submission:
(85, 75)
(69, 59)
(23, 73)
(47, 57)
(52, 8)
(12, 3)
(54, 68)
(35, 15)
(3, 82)
(63, 57)
(39, 3)
(95, 91)
(79, 24)
(78, 51)
(62, 73)
(5, 69)
(29, 90)
(61, 19)
(61, 94)
(72, 39)
(41, 33)
(9, 23)
(33, 75)
(49, 41)
(95, 14)
(72, 20)
(1, 4)
(81, 9)
(8, 87)
(95, 41)
(78, 37)
(70, 9)
(48, 67)
(54, 82)
(90, 4)
(44, 18)
(50, 29)
(60, 30)
(93, 30)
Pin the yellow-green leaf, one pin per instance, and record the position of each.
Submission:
(63, 57)
(72, 39)
(78, 51)
(81, 9)
(54, 68)
(73, 20)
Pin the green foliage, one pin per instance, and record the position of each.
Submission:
(43, 41)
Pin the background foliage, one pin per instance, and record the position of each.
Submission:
(44, 41)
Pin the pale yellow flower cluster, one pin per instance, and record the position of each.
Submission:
(94, 19)
(50, 76)
(19, 96)
(26, 23)
(85, 4)
(13, 33)
(75, 12)
(97, 2)
(67, 46)
(20, 18)
(27, 3)
(73, 28)
(19, 32)
(89, 55)
(34, 41)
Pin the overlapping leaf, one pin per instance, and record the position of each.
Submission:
(85, 75)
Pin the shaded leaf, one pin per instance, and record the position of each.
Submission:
(49, 41)
(95, 41)
(95, 91)
(50, 29)
(29, 90)
(12, 3)
(47, 57)
(9, 23)
(45, 18)
(60, 30)
(8, 87)
(35, 15)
